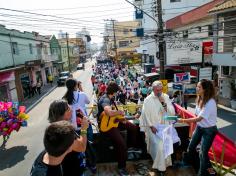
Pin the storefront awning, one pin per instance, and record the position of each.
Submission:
(7, 76)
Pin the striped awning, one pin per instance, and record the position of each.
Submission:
(224, 6)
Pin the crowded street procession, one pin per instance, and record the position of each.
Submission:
(131, 119)
(118, 88)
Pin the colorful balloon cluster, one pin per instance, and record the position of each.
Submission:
(12, 117)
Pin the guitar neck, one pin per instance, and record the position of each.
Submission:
(129, 118)
(125, 118)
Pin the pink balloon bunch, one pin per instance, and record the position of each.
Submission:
(12, 117)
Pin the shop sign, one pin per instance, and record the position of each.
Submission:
(205, 73)
(190, 89)
(183, 52)
(207, 47)
(165, 85)
(182, 77)
(178, 87)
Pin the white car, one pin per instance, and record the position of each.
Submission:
(80, 66)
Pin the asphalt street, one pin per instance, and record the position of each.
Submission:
(18, 154)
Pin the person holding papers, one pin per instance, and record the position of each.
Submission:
(206, 114)
(155, 106)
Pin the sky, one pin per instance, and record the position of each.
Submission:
(50, 16)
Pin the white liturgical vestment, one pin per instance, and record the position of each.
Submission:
(152, 115)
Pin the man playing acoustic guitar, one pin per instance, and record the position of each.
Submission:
(105, 104)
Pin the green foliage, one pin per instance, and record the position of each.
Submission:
(219, 167)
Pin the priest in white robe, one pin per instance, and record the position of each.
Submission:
(155, 106)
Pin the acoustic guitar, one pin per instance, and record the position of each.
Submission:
(108, 122)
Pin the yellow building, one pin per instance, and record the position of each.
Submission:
(76, 47)
(126, 41)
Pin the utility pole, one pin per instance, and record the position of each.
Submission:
(114, 38)
(160, 35)
(114, 35)
(12, 54)
(161, 42)
(68, 54)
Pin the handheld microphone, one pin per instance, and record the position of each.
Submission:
(163, 104)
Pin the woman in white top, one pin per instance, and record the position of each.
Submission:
(206, 115)
(72, 96)
(77, 101)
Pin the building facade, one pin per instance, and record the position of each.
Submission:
(170, 8)
(25, 59)
(56, 52)
(76, 48)
(225, 50)
(85, 36)
(194, 27)
(123, 40)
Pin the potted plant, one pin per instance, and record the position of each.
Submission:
(218, 164)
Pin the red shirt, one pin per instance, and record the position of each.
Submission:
(102, 88)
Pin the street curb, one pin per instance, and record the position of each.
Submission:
(40, 99)
(226, 108)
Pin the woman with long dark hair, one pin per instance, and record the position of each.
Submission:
(71, 96)
(206, 115)
(74, 99)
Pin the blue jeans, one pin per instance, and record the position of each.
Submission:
(206, 137)
(90, 133)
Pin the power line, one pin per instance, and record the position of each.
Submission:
(70, 8)
(51, 20)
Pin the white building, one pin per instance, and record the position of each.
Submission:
(84, 34)
(62, 35)
(171, 8)
(193, 27)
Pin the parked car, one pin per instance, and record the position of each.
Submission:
(63, 76)
(80, 66)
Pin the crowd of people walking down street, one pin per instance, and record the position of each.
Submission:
(69, 138)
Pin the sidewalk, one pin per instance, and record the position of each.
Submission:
(30, 103)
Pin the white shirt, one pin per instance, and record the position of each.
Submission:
(83, 99)
(80, 99)
(208, 113)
